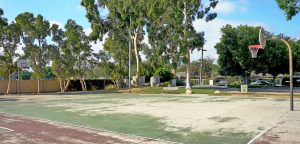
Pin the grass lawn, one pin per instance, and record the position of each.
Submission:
(143, 115)
(159, 90)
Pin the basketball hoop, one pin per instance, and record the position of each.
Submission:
(254, 49)
(23, 64)
(262, 38)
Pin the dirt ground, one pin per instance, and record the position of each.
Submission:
(23, 130)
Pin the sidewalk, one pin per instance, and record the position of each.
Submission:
(286, 132)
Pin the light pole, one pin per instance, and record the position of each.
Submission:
(201, 66)
(129, 55)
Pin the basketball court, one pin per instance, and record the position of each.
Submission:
(135, 118)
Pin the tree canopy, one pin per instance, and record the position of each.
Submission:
(290, 7)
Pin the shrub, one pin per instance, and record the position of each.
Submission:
(110, 87)
(90, 84)
(164, 73)
(165, 84)
(180, 83)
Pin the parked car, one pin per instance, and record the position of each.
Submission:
(222, 83)
(261, 82)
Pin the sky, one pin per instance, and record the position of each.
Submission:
(235, 12)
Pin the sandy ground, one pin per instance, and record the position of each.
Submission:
(201, 113)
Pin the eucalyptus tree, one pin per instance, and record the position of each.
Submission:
(62, 59)
(9, 42)
(78, 45)
(129, 15)
(176, 26)
(9, 39)
(290, 7)
(117, 47)
(191, 40)
(35, 31)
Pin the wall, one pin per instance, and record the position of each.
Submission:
(30, 86)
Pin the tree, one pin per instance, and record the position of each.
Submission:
(62, 59)
(274, 58)
(234, 56)
(208, 66)
(117, 47)
(290, 7)
(77, 43)
(9, 40)
(191, 10)
(129, 15)
(35, 31)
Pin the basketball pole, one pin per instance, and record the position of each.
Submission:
(262, 40)
(291, 73)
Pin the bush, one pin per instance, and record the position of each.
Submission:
(165, 84)
(75, 85)
(165, 74)
(180, 83)
(110, 87)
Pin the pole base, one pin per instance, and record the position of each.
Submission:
(188, 91)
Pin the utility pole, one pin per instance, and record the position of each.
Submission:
(201, 67)
(129, 57)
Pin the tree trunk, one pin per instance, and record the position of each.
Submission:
(83, 84)
(174, 73)
(9, 82)
(61, 85)
(188, 70)
(66, 85)
(137, 76)
(38, 85)
(188, 63)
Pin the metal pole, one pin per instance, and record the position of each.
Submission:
(129, 58)
(291, 73)
(201, 65)
(18, 80)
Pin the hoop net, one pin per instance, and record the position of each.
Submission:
(254, 49)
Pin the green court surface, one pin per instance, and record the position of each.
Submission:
(3, 130)
(178, 118)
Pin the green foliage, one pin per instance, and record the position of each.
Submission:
(26, 75)
(164, 73)
(208, 66)
(77, 44)
(180, 83)
(110, 87)
(274, 58)
(290, 7)
(48, 73)
(35, 32)
(234, 56)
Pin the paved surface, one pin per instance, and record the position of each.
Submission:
(285, 132)
(24, 130)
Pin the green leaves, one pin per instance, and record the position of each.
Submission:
(290, 7)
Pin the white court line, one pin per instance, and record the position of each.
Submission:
(10, 130)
